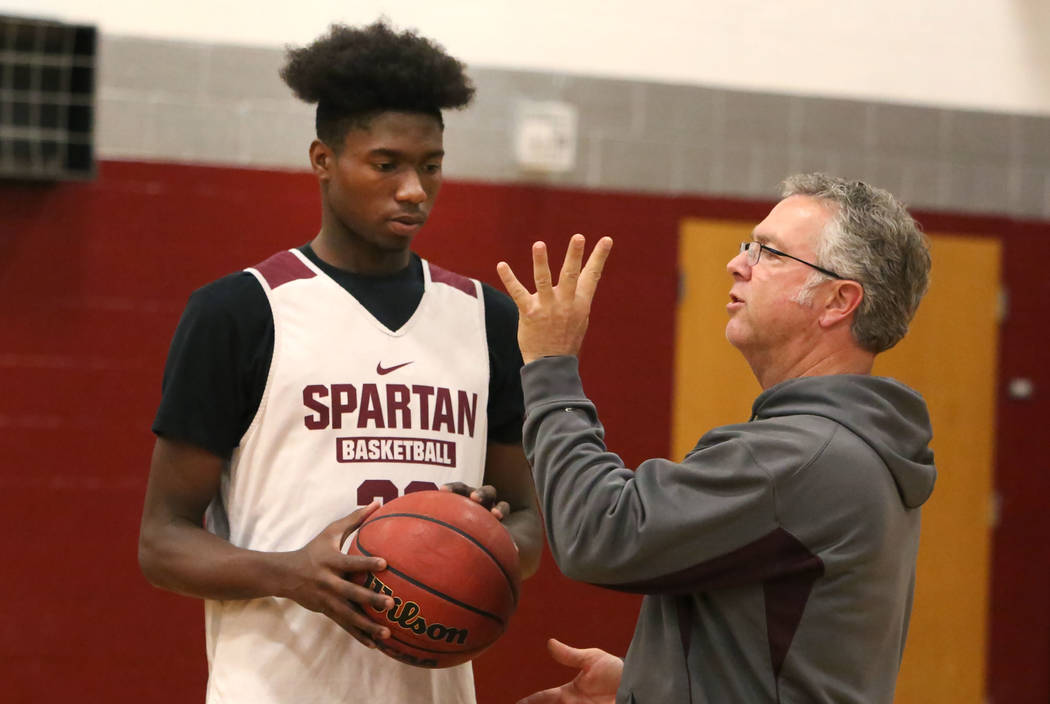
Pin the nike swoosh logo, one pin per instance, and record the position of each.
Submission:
(381, 370)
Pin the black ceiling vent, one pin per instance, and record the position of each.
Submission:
(47, 99)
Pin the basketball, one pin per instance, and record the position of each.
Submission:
(452, 570)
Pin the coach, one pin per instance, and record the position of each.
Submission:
(778, 558)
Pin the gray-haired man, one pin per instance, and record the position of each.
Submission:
(778, 558)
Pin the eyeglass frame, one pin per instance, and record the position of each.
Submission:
(746, 246)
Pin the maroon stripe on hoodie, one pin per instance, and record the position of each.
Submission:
(282, 268)
(778, 560)
(685, 632)
(786, 599)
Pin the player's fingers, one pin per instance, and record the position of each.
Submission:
(485, 495)
(363, 637)
(360, 563)
(457, 488)
(357, 624)
(570, 268)
(346, 525)
(515, 289)
(501, 510)
(360, 597)
(541, 272)
(592, 271)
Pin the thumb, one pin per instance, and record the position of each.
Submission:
(566, 654)
(348, 524)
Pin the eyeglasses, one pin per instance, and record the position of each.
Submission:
(754, 253)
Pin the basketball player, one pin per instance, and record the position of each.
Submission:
(301, 391)
(778, 558)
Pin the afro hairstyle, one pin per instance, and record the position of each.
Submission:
(355, 73)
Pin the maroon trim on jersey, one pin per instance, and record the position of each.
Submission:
(778, 560)
(282, 268)
(444, 276)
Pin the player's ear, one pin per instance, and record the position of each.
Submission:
(322, 159)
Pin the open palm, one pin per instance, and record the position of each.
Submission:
(596, 683)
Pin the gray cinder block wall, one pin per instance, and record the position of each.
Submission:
(226, 105)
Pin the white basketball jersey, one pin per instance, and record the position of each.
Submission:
(351, 411)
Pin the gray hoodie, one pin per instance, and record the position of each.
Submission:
(777, 560)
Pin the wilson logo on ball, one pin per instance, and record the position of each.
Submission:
(406, 614)
(452, 571)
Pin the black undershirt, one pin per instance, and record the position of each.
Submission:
(220, 354)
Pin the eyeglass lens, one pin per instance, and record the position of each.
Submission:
(753, 251)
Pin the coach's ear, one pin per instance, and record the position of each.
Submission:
(322, 160)
(840, 302)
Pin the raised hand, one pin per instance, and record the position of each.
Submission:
(596, 683)
(553, 320)
(317, 579)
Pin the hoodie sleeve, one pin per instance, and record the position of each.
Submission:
(665, 527)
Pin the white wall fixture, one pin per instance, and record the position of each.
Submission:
(545, 136)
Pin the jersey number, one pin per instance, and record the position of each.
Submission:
(386, 490)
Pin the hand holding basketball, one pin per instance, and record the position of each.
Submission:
(553, 320)
(316, 578)
(452, 572)
(486, 496)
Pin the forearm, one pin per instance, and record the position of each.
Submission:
(186, 559)
(507, 471)
(526, 528)
(635, 529)
(177, 553)
(580, 485)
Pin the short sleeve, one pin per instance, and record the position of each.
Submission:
(217, 365)
(506, 407)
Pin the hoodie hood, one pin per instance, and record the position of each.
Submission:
(886, 414)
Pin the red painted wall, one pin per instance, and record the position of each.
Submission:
(93, 278)
(1019, 665)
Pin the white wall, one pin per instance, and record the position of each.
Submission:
(982, 54)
